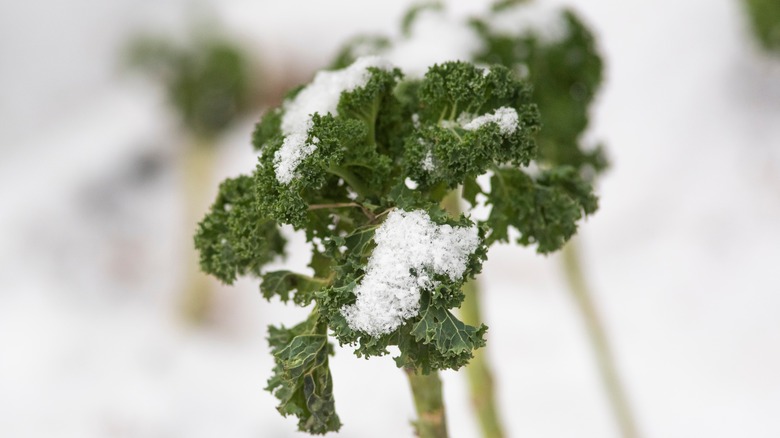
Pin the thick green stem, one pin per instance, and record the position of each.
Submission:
(478, 371)
(598, 339)
(352, 180)
(429, 404)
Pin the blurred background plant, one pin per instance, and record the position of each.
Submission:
(764, 18)
(209, 83)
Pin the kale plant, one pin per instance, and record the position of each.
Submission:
(362, 160)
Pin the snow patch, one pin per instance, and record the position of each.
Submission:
(320, 96)
(427, 162)
(435, 38)
(410, 249)
(543, 20)
(505, 117)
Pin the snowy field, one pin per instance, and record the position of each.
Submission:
(684, 254)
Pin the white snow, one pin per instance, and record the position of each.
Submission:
(435, 38)
(321, 96)
(410, 248)
(505, 117)
(427, 162)
(543, 19)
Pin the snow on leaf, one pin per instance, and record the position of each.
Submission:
(410, 250)
(322, 97)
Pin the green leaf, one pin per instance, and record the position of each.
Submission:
(302, 380)
(235, 238)
(283, 283)
(470, 190)
(566, 74)
(442, 150)
(438, 340)
(545, 210)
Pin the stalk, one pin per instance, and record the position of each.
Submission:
(429, 404)
(197, 297)
(478, 372)
(352, 180)
(599, 342)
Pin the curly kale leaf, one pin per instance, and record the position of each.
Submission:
(288, 203)
(235, 238)
(301, 379)
(449, 145)
(544, 210)
(284, 283)
(566, 74)
(438, 340)
(432, 340)
(346, 157)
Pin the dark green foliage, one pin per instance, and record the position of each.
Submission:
(207, 83)
(301, 379)
(566, 75)
(764, 16)
(545, 210)
(433, 340)
(283, 283)
(234, 238)
(440, 339)
(449, 91)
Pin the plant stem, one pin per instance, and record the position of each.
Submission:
(352, 180)
(598, 339)
(197, 296)
(429, 404)
(478, 371)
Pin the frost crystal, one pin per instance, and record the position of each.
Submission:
(427, 162)
(416, 120)
(410, 249)
(506, 118)
(321, 96)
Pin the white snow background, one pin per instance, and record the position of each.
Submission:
(683, 255)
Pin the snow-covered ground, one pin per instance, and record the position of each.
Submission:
(684, 254)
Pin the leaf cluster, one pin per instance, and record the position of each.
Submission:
(566, 73)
